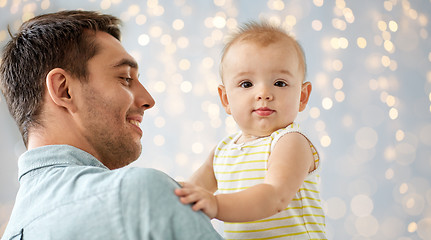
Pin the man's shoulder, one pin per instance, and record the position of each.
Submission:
(136, 175)
(148, 203)
(141, 180)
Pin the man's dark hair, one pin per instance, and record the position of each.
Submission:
(57, 40)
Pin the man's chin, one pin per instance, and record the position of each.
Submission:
(136, 154)
(126, 157)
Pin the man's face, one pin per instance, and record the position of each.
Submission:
(111, 104)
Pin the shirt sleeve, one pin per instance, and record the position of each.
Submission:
(151, 210)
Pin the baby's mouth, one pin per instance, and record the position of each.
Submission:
(264, 111)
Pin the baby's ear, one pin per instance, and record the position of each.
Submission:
(58, 87)
(223, 98)
(305, 95)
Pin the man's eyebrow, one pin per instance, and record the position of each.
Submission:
(126, 62)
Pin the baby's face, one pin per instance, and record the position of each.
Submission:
(262, 86)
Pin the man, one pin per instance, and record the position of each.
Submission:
(74, 92)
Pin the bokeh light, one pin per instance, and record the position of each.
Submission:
(369, 113)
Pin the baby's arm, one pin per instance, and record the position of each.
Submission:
(204, 176)
(201, 188)
(290, 162)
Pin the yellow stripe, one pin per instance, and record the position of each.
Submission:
(302, 207)
(241, 179)
(245, 154)
(232, 189)
(310, 198)
(278, 219)
(261, 145)
(225, 143)
(310, 182)
(274, 228)
(247, 170)
(233, 164)
(309, 190)
(280, 236)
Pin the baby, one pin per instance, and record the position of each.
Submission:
(267, 175)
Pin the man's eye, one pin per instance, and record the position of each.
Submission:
(246, 84)
(126, 79)
(280, 84)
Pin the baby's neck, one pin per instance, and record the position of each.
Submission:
(247, 138)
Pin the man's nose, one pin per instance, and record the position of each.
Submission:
(143, 98)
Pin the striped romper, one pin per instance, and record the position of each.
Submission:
(240, 166)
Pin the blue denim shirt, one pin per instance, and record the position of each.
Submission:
(66, 193)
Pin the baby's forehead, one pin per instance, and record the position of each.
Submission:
(287, 43)
(293, 50)
(265, 39)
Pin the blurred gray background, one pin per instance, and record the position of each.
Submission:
(369, 113)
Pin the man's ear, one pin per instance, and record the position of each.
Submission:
(305, 95)
(223, 98)
(58, 85)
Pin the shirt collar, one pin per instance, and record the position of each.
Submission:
(55, 155)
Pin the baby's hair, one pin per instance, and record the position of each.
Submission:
(263, 33)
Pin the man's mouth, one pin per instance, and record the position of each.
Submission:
(135, 122)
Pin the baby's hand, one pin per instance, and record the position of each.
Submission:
(200, 198)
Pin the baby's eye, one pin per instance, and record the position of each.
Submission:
(280, 84)
(246, 84)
